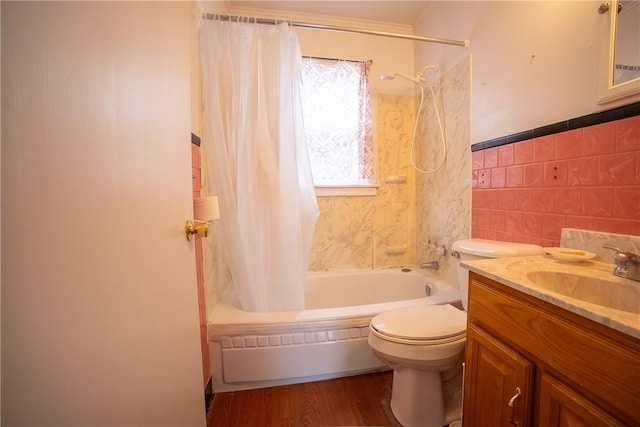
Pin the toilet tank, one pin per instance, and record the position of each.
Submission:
(471, 249)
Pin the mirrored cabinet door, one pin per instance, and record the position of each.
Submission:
(619, 63)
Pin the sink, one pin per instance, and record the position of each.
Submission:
(595, 290)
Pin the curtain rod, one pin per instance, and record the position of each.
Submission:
(212, 16)
(358, 61)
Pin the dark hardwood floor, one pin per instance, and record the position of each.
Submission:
(361, 400)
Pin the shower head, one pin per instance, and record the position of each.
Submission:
(419, 78)
(391, 76)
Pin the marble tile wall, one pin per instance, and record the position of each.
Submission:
(444, 197)
(374, 231)
(343, 236)
(592, 241)
(394, 222)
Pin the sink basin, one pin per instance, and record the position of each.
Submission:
(595, 290)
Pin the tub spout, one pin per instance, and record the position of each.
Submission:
(431, 265)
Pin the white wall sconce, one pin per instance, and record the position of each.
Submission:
(205, 210)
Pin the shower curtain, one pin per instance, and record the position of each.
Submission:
(257, 160)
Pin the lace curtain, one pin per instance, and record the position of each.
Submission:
(338, 121)
(256, 158)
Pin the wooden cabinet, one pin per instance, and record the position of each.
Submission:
(499, 375)
(560, 405)
(530, 363)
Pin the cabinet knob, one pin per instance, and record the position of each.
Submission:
(510, 405)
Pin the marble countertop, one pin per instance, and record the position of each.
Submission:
(514, 272)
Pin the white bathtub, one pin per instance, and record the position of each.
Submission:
(326, 340)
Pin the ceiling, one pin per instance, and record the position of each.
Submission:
(397, 12)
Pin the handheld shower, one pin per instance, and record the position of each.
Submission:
(419, 79)
(391, 76)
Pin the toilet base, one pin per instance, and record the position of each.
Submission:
(416, 398)
(433, 399)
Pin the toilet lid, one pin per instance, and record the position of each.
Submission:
(428, 322)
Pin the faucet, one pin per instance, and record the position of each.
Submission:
(627, 263)
(432, 265)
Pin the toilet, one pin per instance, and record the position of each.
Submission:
(425, 345)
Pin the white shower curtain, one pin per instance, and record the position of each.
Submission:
(256, 157)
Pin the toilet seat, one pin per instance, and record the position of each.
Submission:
(422, 325)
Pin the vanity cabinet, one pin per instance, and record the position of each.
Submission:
(531, 363)
(499, 375)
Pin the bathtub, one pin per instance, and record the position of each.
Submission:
(326, 340)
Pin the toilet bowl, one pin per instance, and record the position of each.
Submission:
(425, 345)
(419, 344)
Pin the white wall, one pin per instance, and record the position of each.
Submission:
(533, 62)
(99, 304)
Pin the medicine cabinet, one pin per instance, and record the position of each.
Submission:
(619, 64)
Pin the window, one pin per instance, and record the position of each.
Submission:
(338, 122)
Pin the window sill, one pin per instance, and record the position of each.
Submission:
(346, 190)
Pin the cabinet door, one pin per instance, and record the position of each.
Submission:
(562, 406)
(498, 389)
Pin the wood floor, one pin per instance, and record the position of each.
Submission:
(361, 400)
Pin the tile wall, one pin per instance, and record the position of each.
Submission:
(394, 222)
(374, 231)
(444, 197)
(594, 241)
(196, 185)
(586, 178)
(343, 236)
(393, 228)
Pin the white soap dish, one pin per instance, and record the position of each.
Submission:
(569, 255)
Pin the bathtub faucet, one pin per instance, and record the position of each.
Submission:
(431, 265)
